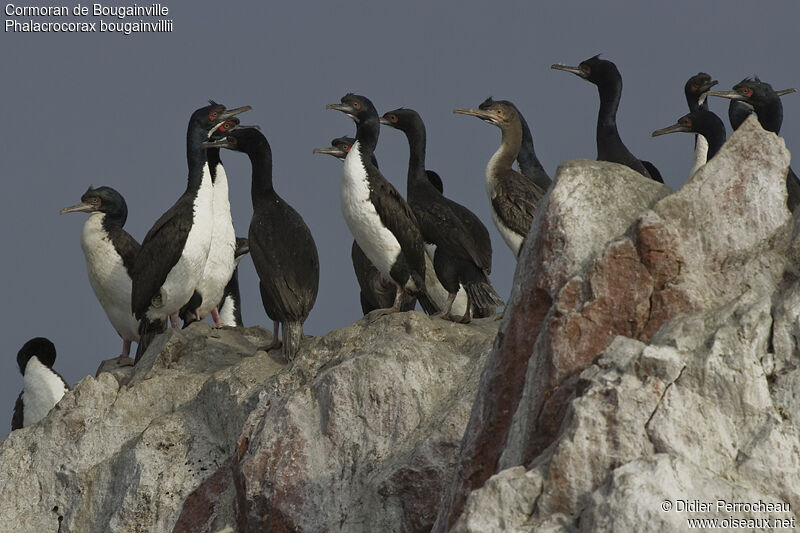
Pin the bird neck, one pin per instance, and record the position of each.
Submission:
(608, 139)
(416, 155)
(212, 156)
(367, 135)
(770, 113)
(529, 164)
(195, 156)
(714, 132)
(261, 184)
(509, 145)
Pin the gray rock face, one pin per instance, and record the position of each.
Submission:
(368, 419)
(664, 369)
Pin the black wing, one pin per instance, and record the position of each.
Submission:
(441, 225)
(397, 216)
(515, 201)
(127, 247)
(286, 261)
(160, 251)
(17, 417)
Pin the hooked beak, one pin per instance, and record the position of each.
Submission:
(331, 150)
(344, 108)
(242, 247)
(575, 70)
(672, 129)
(83, 207)
(228, 113)
(486, 116)
(732, 95)
(784, 92)
(386, 122)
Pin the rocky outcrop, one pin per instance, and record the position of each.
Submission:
(660, 365)
(208, 431)
(647, 358)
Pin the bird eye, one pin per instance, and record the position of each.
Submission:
(686, 121)
(393, 118)
(347, 147)
(212, 115)
(693, 87)
(586, 69)
(746, 91)
(500, 113)
(357, 105)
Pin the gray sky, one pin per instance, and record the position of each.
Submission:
(109, 109)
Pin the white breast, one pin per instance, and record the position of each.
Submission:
(220, 264)
(378, 243)
(185, 275)
(108, 277)
(42, 389)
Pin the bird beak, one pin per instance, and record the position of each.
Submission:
(784, 92)
(218, 143)
(732, 95)
(575, 70)
(344, 108)
(82, 207)
(228, 113)
(385, 121)
(707, 87)
(486, 116)
(331, 150)
(242, 248)
(671, 129)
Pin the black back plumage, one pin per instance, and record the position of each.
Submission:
(281, 245)
(463, 253)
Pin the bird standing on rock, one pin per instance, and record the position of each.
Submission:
(766, 104)
(605, 75)
(379, 218)
(170, 263)
(695, 90)
(513, 196)
(376, 292)
(455, 239)
(703, 123)
(42, 387)
(110, 252)
(281, 245)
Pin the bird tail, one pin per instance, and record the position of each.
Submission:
(292, 335)
(483, 297)
(148, 329)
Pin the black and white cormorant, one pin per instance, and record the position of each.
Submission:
(378, 217)
(766, 104)
(220, 263)
(529, 165)
(376, 292)
(513, 196)
(703, 123)
(110, 253)
(455, 239)
(605, 75)
(695, 90)
(42, 386)
(281, 245)
(171, 261)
